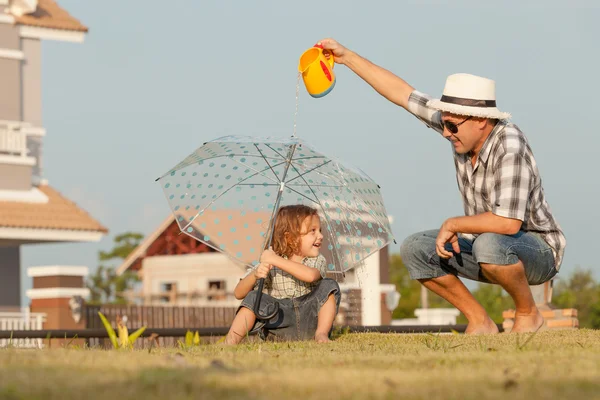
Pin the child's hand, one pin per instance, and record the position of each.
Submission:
(269, 256)
(262, 271)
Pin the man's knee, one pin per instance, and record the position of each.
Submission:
(411, 247)
(493, 248)
(417, 249)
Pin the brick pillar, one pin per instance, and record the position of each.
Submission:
(555, 318)
(59, 292)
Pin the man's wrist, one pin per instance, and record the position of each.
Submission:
(350, 58)
(452, 224)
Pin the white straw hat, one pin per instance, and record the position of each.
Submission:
(472, 95)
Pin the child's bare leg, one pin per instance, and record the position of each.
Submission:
(241, 325)
(325, 320)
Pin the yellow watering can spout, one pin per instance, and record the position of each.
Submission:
(317, 71)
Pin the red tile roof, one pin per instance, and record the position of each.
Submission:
(50, 15)
(58, 213)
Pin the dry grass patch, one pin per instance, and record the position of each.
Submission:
(355, 366)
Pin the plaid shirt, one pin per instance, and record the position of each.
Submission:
(282, 285)
(504, 180)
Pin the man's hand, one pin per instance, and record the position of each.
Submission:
(262, 271)
(447, 234)
(339, 52)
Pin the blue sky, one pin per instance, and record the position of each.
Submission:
(154, 80)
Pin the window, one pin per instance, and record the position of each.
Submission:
(216, 290)
(168, 292)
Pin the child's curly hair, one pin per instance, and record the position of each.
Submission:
(288, 228)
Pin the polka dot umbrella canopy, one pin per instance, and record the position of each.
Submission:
(226, 194)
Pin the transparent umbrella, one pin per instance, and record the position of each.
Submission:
(227, 192)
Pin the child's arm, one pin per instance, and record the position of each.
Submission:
(297, 270)
(246, 285)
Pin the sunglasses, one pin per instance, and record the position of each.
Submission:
(452, 127)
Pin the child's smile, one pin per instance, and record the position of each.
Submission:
(312, 238)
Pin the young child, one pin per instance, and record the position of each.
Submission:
(294, 273)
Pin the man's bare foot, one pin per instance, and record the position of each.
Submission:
(322, 338)
(531, 322)
(486, 327)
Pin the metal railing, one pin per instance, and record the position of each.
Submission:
(221, 331)
(21, 322)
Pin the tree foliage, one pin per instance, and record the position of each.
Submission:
(105, 285)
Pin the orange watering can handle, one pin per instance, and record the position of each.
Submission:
(330, 59)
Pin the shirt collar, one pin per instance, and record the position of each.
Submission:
(484, 153)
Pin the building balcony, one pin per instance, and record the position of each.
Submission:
(20, 157)
(15, 140)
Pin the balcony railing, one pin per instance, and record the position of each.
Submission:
(13, 141)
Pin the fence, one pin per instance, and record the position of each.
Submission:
(161, 316)
(158, 317)
(21, 321)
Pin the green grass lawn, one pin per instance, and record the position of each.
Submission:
(558, 365)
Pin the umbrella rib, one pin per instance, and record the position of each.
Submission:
(257, 171)
(303, 195)
(235, 155)
(219, 196)
(301, 175)
(278, 153)
(322, 173)
(263, 156)
(329, 186)
(258, 184)
(352, 229)
(308, 158)
(318, 166)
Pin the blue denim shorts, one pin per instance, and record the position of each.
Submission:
(419, 255)
(297, 317)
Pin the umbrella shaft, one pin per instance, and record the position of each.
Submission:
(280, 193)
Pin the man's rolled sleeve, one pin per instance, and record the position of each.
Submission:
(512, 179)
(417, 105)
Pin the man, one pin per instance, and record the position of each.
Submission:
(508, 235)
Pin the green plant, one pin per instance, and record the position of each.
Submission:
(191, 340)
(124, 340)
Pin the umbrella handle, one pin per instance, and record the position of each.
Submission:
(261, 283)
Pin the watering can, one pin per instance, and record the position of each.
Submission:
(317, 71)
